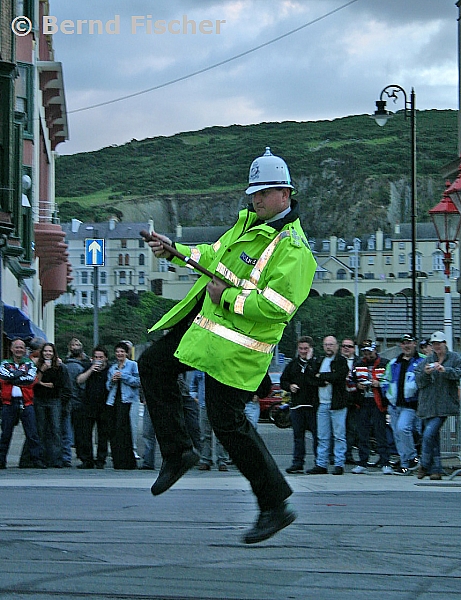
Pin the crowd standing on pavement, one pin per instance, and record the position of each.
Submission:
(396, 406)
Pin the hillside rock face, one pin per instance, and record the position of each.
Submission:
(327, 206)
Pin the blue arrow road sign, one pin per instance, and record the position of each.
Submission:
(94, 253)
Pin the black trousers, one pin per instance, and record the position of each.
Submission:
(159, 370)
(369, 416)
(95, 415)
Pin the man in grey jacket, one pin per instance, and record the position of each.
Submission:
(437, 378)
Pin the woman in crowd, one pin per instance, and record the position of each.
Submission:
(123, 384)
(52, 391)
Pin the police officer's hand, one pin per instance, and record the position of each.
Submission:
(157, 246)
(215, 289)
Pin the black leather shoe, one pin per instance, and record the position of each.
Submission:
(338, 471)
(295, 469)
(269, 522)
(173, 468)
(317, 471)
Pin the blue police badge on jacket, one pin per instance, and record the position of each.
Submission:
(246, 259)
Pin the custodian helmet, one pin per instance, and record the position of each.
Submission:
(268, 171)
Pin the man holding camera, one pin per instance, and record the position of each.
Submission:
(94, 410)
(372, 412)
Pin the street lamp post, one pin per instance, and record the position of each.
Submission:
(357, 243)
(447, 223)
(381, 116)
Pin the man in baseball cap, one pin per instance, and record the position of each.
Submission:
(438, 336)
(400, 390)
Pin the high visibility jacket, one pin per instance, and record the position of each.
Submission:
(270, 271)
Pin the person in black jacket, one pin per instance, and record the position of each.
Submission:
(298, 378)
(332, 410)
(94, 411)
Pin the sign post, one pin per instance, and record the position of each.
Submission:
(94, 257)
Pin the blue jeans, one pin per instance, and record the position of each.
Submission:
(66, 436)
(252, 412)
(403, 422)
(150, 441)
(27, 417)
(48, 414)
(303, 419)
(331, 424)
(206, 439)
(134, 421)
(430, 451)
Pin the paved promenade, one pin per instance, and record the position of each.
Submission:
(97, 535)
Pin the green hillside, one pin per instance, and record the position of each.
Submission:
(342, 168)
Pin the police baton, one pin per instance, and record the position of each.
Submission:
(150, 237)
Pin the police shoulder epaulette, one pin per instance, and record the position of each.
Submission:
(295, 238)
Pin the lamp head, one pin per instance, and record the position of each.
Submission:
(381, 115)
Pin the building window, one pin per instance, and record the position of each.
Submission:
(123, 243)
(84, 277)
(141, 243)
(341, 274)
(388, 244)
(402, 259)
(371, 260)
(103, 280)
(401, 245)
(371, 242)
(122, 278)
(325, 246)
(183, 278)
(142, 260)
(341, 244)
(437, 261)
(103, 299)
(23, 94)
(163, 265)
(352, 263)
(319, 275)
(388, 260)
(120, 259)
(82, 259)
(141, 278)
(418, 262)
(127, 259)
(84, 297)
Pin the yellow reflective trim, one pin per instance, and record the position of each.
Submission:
(232, 277)
(239, 303)
(232, 336)
(265, 256)
(216, 246)
(279, 300)
(195, 254)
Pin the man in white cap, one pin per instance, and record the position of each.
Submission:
(437, 378)
(228, 327)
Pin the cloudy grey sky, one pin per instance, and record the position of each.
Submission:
(334, 65)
